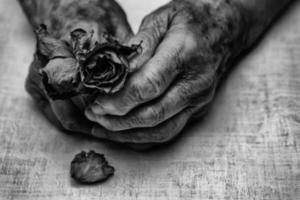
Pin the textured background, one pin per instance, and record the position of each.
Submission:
(247, 147)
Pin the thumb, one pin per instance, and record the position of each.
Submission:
(116, 23)
(152, 30)
(123, 31)
(118, 20)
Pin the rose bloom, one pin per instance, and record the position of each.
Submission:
(82, 66)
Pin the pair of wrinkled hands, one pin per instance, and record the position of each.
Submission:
(186, 48)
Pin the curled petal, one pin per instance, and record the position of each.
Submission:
(82, 66)
(51, 47)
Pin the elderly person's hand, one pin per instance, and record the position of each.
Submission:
(187, 46)
(61, 17)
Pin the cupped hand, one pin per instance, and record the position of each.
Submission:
(186, 48)
(104, 15)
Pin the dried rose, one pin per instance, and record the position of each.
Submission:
(108, 78)
(82, 66)
(90, 167)
(105, 68)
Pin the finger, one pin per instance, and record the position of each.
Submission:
(123, 31)
(41, 100)
(33, 86)
(117, 22)
(146, 146)
(149, 82)
(175, 100)
(159, 134)
(152, 30)
(63, 114)
(70, 116)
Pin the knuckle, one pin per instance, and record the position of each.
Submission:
(150, 39)
(186, 93)
(153, 29)
(153, 116)
(120, 110)
(187, 39)
(207, 81)
(190, 41)
(204, 94)
(108, 106)
(147, 20)
(145, 90)
(108, 124)
(134, 95)
(183, 12)
(152, 87)
(189, 94)
(156, 18)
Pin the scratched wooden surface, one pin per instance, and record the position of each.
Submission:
(247, 147)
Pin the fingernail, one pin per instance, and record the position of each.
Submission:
(104, 123)
(97, 109)
(132, 41)
(89, 114)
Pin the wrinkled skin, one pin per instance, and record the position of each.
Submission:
(187, 47)
(61, 17)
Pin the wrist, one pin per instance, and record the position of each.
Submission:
(220, 26)
(259, 14)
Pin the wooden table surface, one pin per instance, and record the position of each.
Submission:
(247, 147)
